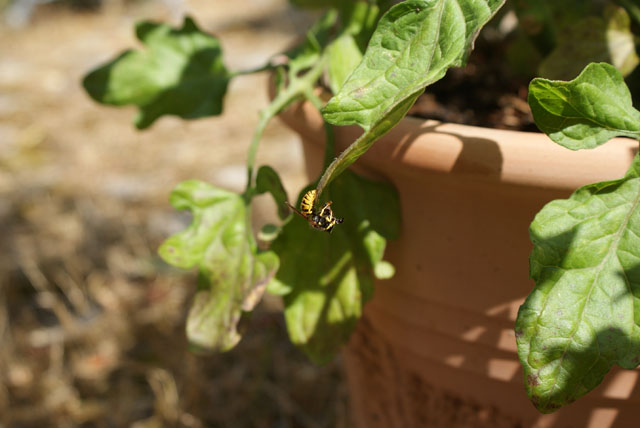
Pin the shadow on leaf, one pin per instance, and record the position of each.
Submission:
(326, 278)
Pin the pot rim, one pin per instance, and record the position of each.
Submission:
(419, 146)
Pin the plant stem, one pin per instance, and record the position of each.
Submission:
(298, 87)
(329, 149)
(264, 118)
(265, 67)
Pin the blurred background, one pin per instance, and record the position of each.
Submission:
(91, 320)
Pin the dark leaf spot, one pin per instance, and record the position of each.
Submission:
(533, 380)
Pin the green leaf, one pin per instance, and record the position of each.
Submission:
(268, 180)
(593, 40)
(359, 19)
(179, 73)
(326, 278)
(587, 111)
(344, 55)
(584, 314)
(413, 46)
(233, 275)
(362, 144)
(415, 43)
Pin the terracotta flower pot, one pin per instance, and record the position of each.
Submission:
(436, 346)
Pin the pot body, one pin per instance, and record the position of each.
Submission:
(436, 346)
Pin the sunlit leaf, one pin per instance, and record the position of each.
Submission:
(179, 72)
(584, 313)
(414, 44)
(345, 52)
(407, 52)
(587, 111)
(344, 55)
(232, 273)
(326, 278)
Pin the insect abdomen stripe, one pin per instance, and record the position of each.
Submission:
(306, 206)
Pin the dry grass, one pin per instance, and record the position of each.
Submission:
(91, 321)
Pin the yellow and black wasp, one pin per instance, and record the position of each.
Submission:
(323, 219)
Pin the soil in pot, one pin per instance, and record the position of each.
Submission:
(486, 92)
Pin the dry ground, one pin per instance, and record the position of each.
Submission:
(91, 320)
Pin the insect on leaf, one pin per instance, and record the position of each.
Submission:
(232, 273)
(326, 278)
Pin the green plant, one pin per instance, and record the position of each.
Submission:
(377, 58)
(584, 314)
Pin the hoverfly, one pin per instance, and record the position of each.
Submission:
(322, 220)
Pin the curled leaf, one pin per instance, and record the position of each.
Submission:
(232, 273)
